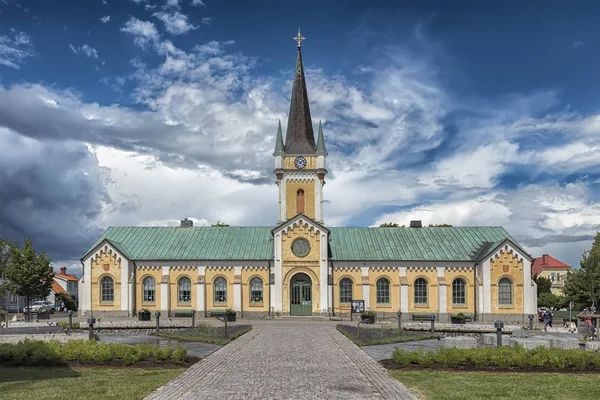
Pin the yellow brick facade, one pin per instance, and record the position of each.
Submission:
(355, 275)
(467, 275)
(106, 264)
(142, 274)
(311, 162)
(292, 188)
(247, 276)
(292, 265)
(430, 276)
(394, 284)
(506, 264)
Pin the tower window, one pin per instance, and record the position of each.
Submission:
(300, 201)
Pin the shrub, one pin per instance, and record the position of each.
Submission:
(372, 336)
(206, 333)
(504, 358)
(35, 353)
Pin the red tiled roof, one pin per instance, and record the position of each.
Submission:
(66, 277)
(56, 288)
(546, 261)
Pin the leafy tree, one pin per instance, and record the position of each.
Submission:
(440, 226)
(551, 301)
(390, 225)
(583, 285)
(28, 274)
(5, 246)
(67, 300)
(543, 285)
(219, 223)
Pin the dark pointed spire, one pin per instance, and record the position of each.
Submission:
(321, 141)
(299, 138)
(279, 149)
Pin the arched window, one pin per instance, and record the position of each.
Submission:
(220, 290)
(383, 291)
(300, 201)
(149, 289)
(505, 291)
(256, 290)
(459, 291)
(107, 289)
(184, 290)
(345, 290)
(420, 291)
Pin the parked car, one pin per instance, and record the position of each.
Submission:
(40, 307)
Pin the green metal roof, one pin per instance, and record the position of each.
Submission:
(414, 244)
(350, 244)
(191, 243)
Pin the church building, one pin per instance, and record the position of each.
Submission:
(302, 267)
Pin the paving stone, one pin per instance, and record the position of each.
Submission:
(286, 360)
(460, 342)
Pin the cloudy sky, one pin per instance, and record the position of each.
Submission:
(141, 112)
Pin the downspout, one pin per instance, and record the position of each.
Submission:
(332, 291)
(134, 289)
(476, 286)
(241, 298)
(205, 294)
(269, 281)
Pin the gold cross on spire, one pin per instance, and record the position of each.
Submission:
(299, 38)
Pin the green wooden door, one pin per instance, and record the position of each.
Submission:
(301, 295)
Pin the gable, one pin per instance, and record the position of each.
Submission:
(299, 220)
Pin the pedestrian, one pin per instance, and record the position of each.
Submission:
(547, 319)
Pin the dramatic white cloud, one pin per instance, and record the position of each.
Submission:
(105, 19)
(175, 22)
(14, 49)
(145, 32)
(198, 144)
(86, 49)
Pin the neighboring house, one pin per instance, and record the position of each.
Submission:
(68, 282)
(302, 266)
(549, 267)
(63, 283)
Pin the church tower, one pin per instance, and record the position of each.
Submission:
(299, 161)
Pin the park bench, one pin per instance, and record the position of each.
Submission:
(216, 313)
(420, 316)
(183, 313)
(468, 316)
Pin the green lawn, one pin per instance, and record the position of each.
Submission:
(443, 385)
(372, 336)
(88, 383)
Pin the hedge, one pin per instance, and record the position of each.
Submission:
(36, 353)
(504, 358)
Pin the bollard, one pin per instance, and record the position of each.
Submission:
(432, 317)
(531, 322)
(194, 319)
(70, 319)
(399, 319)
(157, 316)
(226, 333)
(91, 321)
(499, 325)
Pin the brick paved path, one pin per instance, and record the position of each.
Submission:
(286, 360)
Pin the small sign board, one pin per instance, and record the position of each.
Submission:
(358, 306)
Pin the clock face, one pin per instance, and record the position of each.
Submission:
(300, 162)
(301, 247)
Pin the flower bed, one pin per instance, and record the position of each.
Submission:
(206, 333)
(373, 336)
(37, 353)
(504, 358)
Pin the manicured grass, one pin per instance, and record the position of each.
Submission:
(206, 333)
(447, 385)
(373, 336)
(88, 383)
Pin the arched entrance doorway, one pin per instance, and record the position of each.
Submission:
(301, 295)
